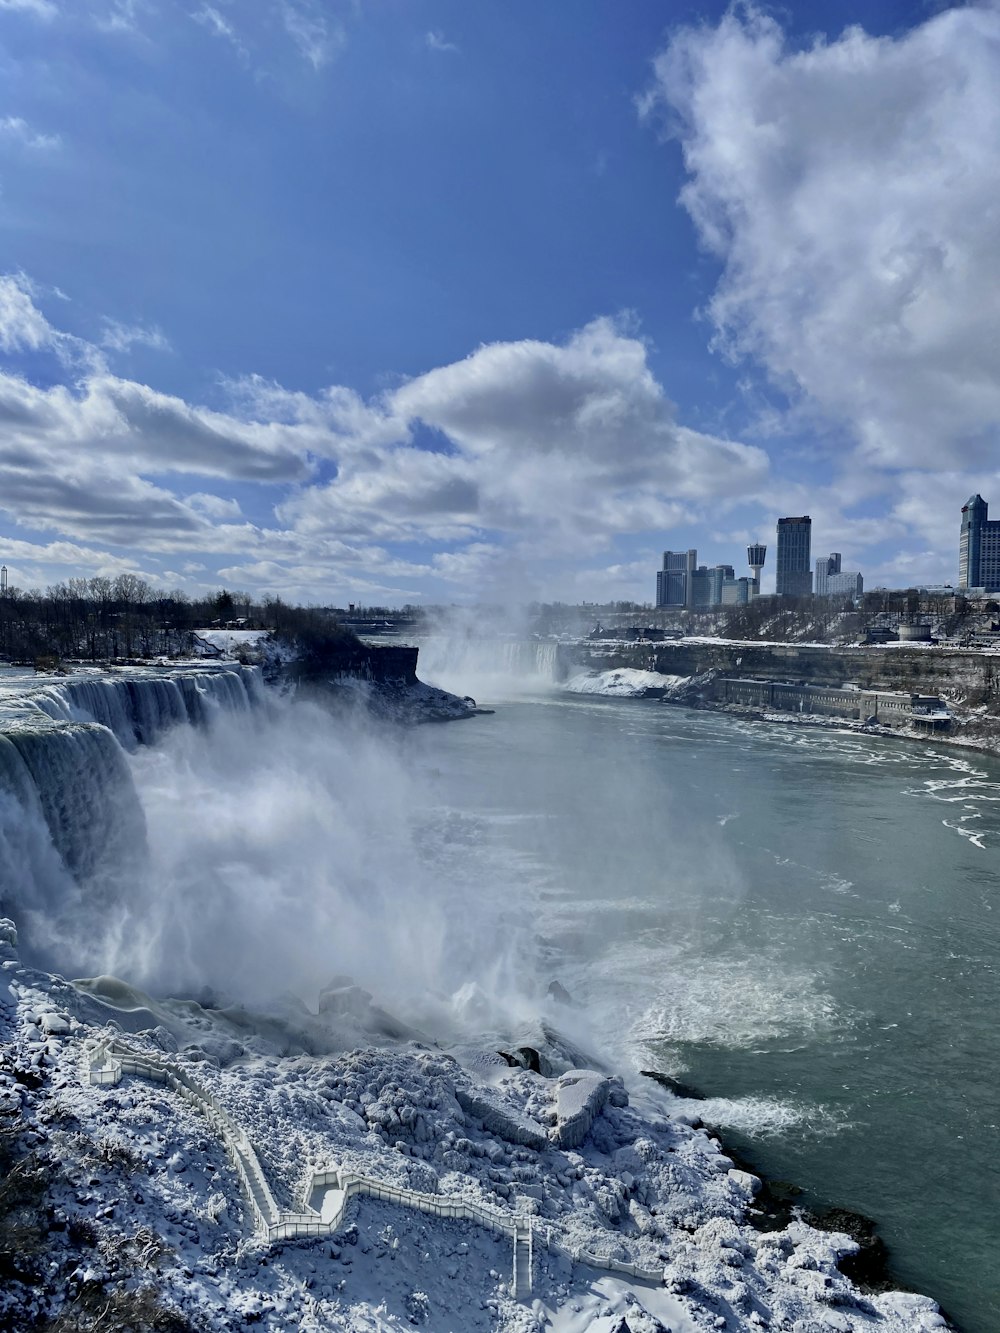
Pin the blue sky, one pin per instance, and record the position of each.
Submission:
(424, 300)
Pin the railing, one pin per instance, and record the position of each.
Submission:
(107, 1060)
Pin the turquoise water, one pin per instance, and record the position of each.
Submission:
(802, 923)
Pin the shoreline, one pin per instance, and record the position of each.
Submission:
(985, 746)
(682, 696)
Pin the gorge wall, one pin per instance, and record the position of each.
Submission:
(974, 676)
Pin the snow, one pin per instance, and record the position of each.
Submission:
(623, 683)
(147, 1171)
(228, 643)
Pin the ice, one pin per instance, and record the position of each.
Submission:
(148, 1173)
(624, 683)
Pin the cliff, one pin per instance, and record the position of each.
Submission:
(336, 666)
(960, 675)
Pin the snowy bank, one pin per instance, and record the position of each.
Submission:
(141, 1186)
(625, 683)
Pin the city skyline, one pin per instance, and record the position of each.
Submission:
(443, 302)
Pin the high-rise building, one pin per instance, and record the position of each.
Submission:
(683, 582)
(738, 592)
(674, 581)
(827, 565)
(793, 577)
(979, 547)
(849, 583)
(832, 581)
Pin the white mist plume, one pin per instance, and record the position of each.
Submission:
(490, 652)
(285, 847)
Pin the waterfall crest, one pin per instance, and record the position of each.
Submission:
(492, 665)
(72, 829)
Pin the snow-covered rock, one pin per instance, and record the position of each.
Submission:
(581, 1095)
(625, 683)
(144, 1196)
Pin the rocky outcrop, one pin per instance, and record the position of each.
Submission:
(336, 666)
(581, 1096)
(501, 1119)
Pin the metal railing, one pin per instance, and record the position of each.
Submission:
(108, 1059)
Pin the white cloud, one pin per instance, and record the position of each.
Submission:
(22, 324)
(14, 129)
(850, 191)
(214, 22)
(123, 337)
(567, 444)
(42, 9)
(214, 506)
(435, 41)
(122, 16)
(532, 449)
(316, 39)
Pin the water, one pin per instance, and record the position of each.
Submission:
(800, 922)
(804, 924)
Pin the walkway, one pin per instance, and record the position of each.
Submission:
(108, 1059)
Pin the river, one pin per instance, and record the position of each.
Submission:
(802, 923)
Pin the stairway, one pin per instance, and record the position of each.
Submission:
(522, 1262)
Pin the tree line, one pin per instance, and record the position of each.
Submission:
(104, 619)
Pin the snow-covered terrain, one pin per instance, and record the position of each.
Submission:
(138, 1200)
(624, 683)
(228, 643)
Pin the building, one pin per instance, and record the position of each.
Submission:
(898, 711)
(682, 582)
(832, 581)
(825, 566)
(706, 584)
(848, 584)
(756, 553)
(673, 581)
(793, 577)
(979, 547)
(738, 592)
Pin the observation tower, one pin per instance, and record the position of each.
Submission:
(755, 559)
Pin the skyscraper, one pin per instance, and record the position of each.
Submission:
(683, 582)
(674, 580)
(832, 581)
(827, 565)
(793, 577)
(978, 547)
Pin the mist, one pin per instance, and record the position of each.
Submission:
(489, 653)
(284, 848)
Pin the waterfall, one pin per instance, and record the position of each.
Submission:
(84, 791)
(139, 708)
(489, 666)
(72, 830)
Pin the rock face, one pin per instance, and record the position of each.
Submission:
(920, 669)
(501, 1119)
(336, 666)
(581, 1096)
(321, 656)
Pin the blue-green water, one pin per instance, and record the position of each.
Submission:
(802, 923)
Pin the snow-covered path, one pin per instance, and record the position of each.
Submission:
(107, 1060)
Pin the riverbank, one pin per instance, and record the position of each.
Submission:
(602, 1178)
(969, 728)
